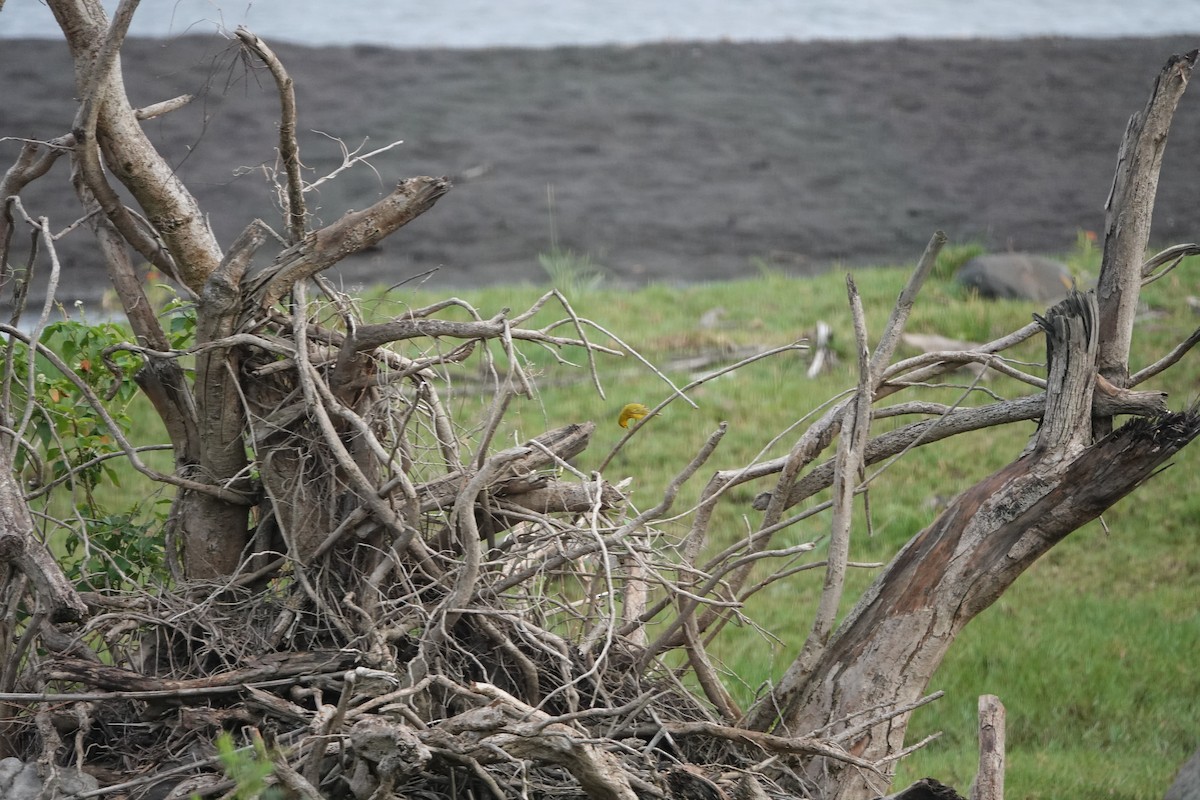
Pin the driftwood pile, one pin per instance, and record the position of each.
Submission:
(373, 600)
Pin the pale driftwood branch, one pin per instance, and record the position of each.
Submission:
(349, 159)
(1071, 346)
(873, 718)
(1105, 400)
(934, 370)
(790, 745)
(1167, 361)
(633, 429)
(131, 157)
(517, 729)
(164, 107)
(267, 667)
(1171, 257)
(351, 234)
(1129, 210)
(462, 522)
(856, 429)
(959, 358)
(903, 308)
(371, 336)
(560, 443)
(706, 674)
(289, 150)
(91, 183)
(989, 781)
(20, 547)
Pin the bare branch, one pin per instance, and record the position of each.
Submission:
(1167, 361)
(289, 150)
(1128, 215)
(351, 234)
(161, 108)
(130, 156)
(849, 461)
(989, 781)
(904, 304)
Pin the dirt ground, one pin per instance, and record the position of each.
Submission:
(677, 161)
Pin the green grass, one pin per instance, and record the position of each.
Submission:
(1092, 651)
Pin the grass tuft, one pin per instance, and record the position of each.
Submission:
(573, 275)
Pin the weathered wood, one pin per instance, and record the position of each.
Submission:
(214, 532)
(1105, 400)
(540, 452)
(354, 232)
(989, 781)
(289, 150)
(1128, 214)
(267, 667)
(510, 726)
(20, 547)
(128, 153)
(988, 536)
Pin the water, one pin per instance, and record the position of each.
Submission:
(546, 23)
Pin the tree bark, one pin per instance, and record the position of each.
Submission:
(1128, 214)
(20, 547)
(989, 780)
(213, 531)
(128, 153)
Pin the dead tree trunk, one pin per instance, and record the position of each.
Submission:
(895, 638)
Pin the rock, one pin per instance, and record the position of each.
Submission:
(926, 789)
(21, 781)
(1018, 276)
(1187, 782)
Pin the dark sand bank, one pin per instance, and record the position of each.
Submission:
(673, 161)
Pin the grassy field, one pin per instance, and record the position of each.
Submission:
(1093, 651)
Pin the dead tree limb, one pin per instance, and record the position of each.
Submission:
(1128, 214)
(848, 462)
(128, 153)
(289, 150)
(351, 234)
(20, 547)
(989, 535)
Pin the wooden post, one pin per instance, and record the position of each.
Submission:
(989, 782)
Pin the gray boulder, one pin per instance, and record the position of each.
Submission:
(1187, 782)
(21, 781)
(1016, 276)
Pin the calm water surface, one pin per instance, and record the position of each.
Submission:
(546, 23)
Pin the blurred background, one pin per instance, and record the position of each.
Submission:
(547, 23)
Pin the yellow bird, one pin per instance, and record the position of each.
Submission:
(632, 412)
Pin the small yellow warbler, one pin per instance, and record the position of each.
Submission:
(631, 413)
